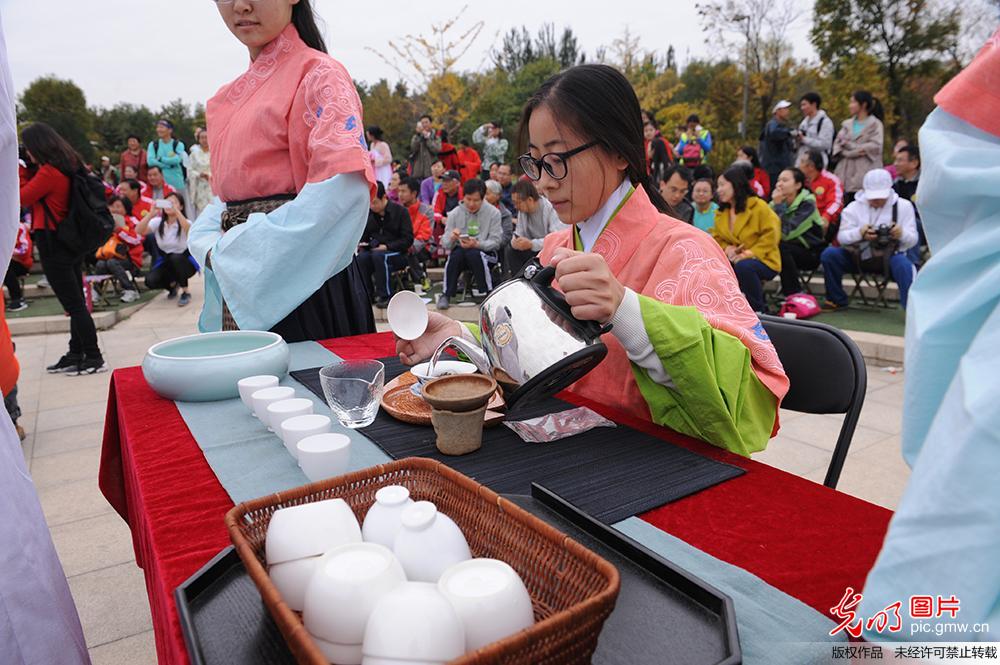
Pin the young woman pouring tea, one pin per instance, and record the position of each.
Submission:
(294, 179)
(685, 350)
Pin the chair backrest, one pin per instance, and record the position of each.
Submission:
(826, 374)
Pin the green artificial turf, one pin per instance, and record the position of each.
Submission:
(48, 305)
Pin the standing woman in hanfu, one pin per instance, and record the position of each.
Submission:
(294, 180)
(685, 351)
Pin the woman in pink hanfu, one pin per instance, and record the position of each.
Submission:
(685, 350)
(294, 181)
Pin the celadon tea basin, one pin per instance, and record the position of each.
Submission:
(207, 367)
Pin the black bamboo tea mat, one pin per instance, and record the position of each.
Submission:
(611, 474)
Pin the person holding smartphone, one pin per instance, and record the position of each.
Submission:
(175, 265)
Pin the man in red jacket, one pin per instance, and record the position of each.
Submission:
(827, 189)
(420, 216)
(472, 163)
(449, 155)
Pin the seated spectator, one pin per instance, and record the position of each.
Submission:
(803, 231)
(536, 219)
(20, 265)
(130, 174)
(121, 255)
(875, 229)
(420, 220)
(704, 207)
(131, 189)
(506, 179)
(907, 167)
(674, 188)
(472, 236)
(448, 196)
(392, 190)
(761, 182)
(385, 242)
(493, 193)
(109, 174)
(826, 188)
(892, 168)
(430, 185)
(175, 265)
(158, 187)
(748, 231)
(449, 154)
(471, 161)
(907, 172)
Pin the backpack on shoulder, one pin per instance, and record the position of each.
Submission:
(156, 154)
(89, 223)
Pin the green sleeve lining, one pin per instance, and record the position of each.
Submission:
(716, 395)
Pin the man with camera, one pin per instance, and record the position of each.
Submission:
(876, 229)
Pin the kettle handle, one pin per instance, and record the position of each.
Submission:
(541, 278)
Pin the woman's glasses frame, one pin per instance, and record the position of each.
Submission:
(533, 167)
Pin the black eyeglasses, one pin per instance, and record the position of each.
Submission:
(554, 163)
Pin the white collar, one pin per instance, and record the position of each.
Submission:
(591, 228)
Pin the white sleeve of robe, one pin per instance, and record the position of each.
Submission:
(270, 265)
(945, 536)
(38, 620)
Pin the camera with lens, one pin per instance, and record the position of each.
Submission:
(882, 237)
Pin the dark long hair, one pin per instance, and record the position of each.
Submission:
(47, 147)
(179, 201)
(870, 102)
(751, 152)
(599, 104)
(304, 20)
(742, 191)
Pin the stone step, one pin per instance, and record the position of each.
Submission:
(37, 325)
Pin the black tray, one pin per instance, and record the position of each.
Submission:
(664, 615)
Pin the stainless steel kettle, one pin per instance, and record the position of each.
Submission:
(531, 343)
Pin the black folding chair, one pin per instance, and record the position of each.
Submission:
(826, 374)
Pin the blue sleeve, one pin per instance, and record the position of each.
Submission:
(706, 143)
(204, 233)
(268, 266)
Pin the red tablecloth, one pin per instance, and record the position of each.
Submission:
(805, 539)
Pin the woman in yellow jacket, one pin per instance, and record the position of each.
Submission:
(749, 232)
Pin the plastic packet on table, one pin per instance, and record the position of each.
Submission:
(555, 426)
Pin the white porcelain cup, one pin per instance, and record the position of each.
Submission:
(490, 599)
(295, 429)
(324, 455)
(309, 530)
(265, 397)
(252, 384)
(384, 517)
(413, 623)
(407, 315)
(279, 412)
(428, 543)
(291, 578)
(348, 583)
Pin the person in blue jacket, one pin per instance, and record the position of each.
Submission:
(169, 154)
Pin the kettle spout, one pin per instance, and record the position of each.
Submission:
(475, 354)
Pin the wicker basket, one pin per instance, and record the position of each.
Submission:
(572, 589)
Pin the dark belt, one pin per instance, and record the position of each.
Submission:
(236, 212)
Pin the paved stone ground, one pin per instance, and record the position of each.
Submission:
(64, 418)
